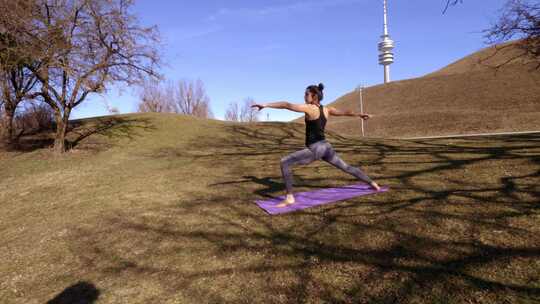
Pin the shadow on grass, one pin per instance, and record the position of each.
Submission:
(444, 156)
(93, 134)
(80, 293)
(439, 236)
(112, 128)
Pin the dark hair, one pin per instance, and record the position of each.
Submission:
(316, 90)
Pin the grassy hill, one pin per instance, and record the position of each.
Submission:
(467, 96)
(509, 53)
(159, 209)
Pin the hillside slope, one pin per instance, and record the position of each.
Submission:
(464, 97)
(488, 58)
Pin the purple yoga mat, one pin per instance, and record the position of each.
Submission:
(317, 197)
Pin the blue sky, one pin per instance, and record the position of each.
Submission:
(271, 50)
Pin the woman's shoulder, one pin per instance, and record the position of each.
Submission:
(313, 112)
(326, 111)
(313, 108)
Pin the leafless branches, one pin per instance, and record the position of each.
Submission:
(34, 116)
(80, 47)
(110, 109)
(519, 19)
(451, 2)
(183, 97)
(243, 113)
(233, 112)
(154, 98)
(16, 83)
(249, 114)
(190, 98)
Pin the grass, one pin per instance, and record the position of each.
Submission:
(159, 209)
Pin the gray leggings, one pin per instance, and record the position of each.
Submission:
(319, 150)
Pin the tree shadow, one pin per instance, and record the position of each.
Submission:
(111, 128)
(406, 262)
(438, 236)
(80, 293)
(94, 134)
(29, 143)
(274, 185)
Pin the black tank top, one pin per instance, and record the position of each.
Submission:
(315, 128)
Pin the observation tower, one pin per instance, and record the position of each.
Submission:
(386, 56)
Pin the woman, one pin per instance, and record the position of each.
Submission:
(317, 146)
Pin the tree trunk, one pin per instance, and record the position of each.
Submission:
(8, 124)
(61, 130)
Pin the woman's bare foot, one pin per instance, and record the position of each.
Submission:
(289, 200)
(375, 186)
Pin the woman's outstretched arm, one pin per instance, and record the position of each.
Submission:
(303, 108)
(335, 112)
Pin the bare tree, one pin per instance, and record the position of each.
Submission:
(155, 98)
(34, 116)
(109, 108)
(243, 113)
(190, 98)
(248, 113)
(182, 97)
(519, 19)
(82, 46)
(233, 112)
(16, 83)
(15, 88)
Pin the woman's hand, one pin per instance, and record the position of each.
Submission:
(258, 106)
(365, 116)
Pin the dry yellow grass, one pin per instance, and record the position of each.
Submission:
(159, 209)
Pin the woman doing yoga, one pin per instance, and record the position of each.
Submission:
(317, 146)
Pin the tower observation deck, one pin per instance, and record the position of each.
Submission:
(386, 56)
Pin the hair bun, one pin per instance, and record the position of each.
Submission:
(321, 86)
